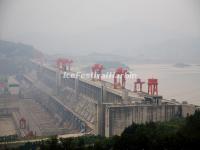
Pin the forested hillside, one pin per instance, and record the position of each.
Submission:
(13, 57)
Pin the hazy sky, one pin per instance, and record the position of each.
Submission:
(98, 25)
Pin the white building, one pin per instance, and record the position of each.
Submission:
(13, 86)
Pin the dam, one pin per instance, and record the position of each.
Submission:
(95, 107)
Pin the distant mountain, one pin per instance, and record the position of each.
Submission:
(186, 50)
(181, 65)
(108, 66)
(13, 57)
(17, 50)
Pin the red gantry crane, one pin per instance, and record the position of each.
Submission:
(64, 64)
(97, 71)
(153, 86)
(69, 63)
(22, 123)
(120, 73)
(136, 83)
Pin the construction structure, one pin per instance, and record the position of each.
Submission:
(97, 72)
(100, 108)
(22, 123)
(153, 86)
(120, 78)
(137, 83)
(64, 64)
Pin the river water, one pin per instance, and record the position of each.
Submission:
(182, 84)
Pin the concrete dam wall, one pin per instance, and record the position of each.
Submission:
(98, 108)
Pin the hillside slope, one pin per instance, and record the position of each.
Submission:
(13, 57)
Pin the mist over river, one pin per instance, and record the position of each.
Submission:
(182, 84)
